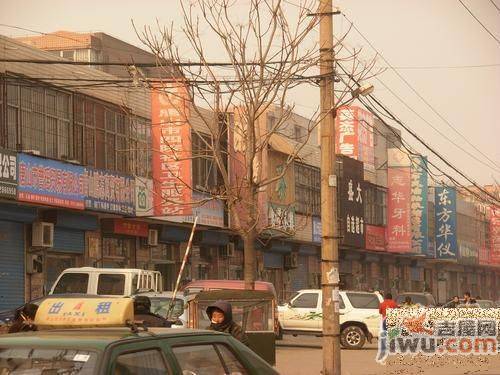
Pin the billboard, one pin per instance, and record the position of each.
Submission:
(398, 210)
(419, 224)
(8, 174)
(352, 206)
(375, 238)
(354, 135)
(446, 222)
(171, 140)
(495, 236)
(50, 182)
(109, 191)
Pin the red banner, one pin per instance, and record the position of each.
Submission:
(398, 210)
(171, 139)
(130, 228)
(495, 236)
(375, 238)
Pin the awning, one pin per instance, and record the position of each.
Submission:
(281, 144)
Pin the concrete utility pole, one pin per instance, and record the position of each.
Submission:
(329, 247)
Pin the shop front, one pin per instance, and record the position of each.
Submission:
(120, 239)
(12, 253)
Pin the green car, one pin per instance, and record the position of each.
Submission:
(123, 351)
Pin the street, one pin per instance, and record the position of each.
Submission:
(302, 355)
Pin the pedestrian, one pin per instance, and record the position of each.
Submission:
(466, 298)
(142, 311)
(24, 319)
(408, 303)
(220, 314)
(388, 303)
(454, 302)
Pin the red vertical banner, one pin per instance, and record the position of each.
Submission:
(346, 132)
(495, 236)
(171, 140)
(398, 210)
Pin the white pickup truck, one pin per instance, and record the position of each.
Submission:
(359, 316)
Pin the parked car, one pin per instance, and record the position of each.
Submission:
(107, 281)
(359, 316)
(485, 303)
(119, 347)
(160, 304)
(422, 299)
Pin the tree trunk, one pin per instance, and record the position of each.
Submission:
(249, 259)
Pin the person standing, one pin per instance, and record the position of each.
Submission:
(24, 319)
(388, 303)
(453, 303)
(220, 314)
(408, 303)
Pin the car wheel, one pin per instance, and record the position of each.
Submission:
(352, 337)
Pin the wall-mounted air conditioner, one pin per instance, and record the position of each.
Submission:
(42, 234)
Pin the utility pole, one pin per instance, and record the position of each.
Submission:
(329, 246)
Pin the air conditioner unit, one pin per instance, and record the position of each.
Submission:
(153, 237)
(34, 263)
(291, 260)
(42, 234)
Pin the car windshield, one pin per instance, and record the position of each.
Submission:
(159, 305)
(485, 304)
(420, 299)
(38, 361)
(72, 283)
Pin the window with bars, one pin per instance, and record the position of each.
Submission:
(39, 120)
(68, 126)
(206, 174)
(307, 189)
(375, 205)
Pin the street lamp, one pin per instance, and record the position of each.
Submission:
(363, 90)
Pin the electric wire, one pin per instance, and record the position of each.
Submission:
(478, 21)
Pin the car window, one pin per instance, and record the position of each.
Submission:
(341, 303)
(306, 300)
(72, 283)
(199, 359)
(160, 306)
(363, 300)
(144, 362)
(415, 298)
(111, 284)
(233, 365)
(36, 361)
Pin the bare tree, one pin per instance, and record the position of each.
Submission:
(262, 58)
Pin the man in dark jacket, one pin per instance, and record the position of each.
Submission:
(24, 318)
(142, 311)
(220, 314)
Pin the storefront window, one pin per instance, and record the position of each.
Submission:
(117, 251)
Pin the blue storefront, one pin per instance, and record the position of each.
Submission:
(12, 253)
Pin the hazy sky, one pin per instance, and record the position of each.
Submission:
(437, 46)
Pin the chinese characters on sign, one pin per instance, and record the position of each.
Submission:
(354, 135)
(419, 238)
(130, 228)
(50, 182)
(8, 174)
(316, 229)
(398, 210)
(171, 140)
(495, 236)
(446, 222)
(375, 238)
(352, 203)
(143, 196)
(109, 191)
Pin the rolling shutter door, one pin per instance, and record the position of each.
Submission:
(69, 240)
(11, 264)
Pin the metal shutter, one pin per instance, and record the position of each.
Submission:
(11, 264)
(69, 240)
(300, 275)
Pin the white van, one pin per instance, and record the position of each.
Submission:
(107, 281)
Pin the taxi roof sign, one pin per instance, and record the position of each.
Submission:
(84, 312)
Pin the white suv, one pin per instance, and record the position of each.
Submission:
(359, 316)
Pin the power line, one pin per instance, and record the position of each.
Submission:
(429, 67)
(496, 6)
(477, 19)
(434, 110)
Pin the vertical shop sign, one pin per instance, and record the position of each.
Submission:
(495, 236)
(398, 210)
(8, 174)
(419, 224)
(352, 203)
(446, 222)
(171, 139)
(316, 229)
(143, 196)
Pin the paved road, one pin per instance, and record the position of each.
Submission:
(302, 356)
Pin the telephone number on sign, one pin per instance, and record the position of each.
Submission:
(7, 190)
